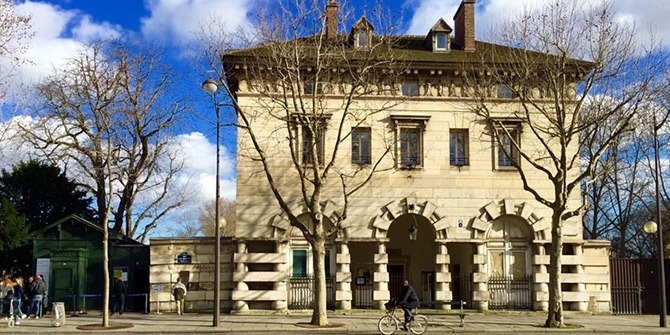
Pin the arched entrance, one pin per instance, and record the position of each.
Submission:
(509, 263)
(412, 257)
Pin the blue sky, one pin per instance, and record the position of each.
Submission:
(63, 26)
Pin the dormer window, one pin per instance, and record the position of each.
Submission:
(437, 39)
(441, 42)
(361, 33)
(362, 39)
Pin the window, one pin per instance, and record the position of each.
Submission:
(302, 263)
(309, 87)
(458, 147)
(410, 89)
(508, 249)
(360, 146)
(441, 42)
(409, 140)
(505, 92)
(312, 142)
(299, 263)
(507, 152)
(410, 147)
(363, 39)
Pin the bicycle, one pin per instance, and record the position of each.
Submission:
(389, 323)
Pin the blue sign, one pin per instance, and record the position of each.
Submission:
(184, 258)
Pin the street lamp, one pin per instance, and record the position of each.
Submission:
(650, 227)
(210, 86)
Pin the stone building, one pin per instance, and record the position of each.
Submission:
(448, 212)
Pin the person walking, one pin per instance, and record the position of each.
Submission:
(38, 292)
(179, 292)
(119, 291)
(19, 295)
(8, 299)
(408, 300)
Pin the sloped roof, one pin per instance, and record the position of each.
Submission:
(412, 49)
(113, 235)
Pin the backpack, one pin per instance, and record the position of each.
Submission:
(178, 293)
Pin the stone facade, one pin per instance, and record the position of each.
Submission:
(197, 274)
(477, 232)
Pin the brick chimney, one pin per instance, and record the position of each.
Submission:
(464, 22)
(331, 19)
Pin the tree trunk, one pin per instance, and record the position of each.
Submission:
(319, 312)
(555, 315)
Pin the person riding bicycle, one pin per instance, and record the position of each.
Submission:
(408, 300)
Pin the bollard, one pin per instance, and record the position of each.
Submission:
(58, 314)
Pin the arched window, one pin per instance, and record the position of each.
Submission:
(509, 254)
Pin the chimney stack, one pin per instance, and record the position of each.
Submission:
(331, 19)
(464, 21)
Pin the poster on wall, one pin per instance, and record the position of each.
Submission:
(43, 267)
(121, 272)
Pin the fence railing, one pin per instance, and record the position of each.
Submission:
(301, 293)
(510, 292)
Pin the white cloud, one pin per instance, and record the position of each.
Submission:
(179, 19)
(59, 35)
(200, 166)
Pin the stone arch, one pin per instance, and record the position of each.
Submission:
(392, 210)
(494, 210)
(282, 229)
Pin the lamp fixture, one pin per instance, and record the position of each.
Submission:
(413, 231)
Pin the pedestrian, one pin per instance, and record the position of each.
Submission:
(408, 300)
(179, 292)
(38, 292)
(20, 296)
(7, 297)
(119, 291)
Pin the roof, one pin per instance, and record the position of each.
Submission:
(113, 235)
(412, 49)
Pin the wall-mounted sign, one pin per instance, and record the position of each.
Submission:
(184, 258)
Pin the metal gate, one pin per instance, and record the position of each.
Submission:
(510, 293)
(301, 293)
(635, 285)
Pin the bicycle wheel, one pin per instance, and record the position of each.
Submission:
(418, 325)
(387, 325)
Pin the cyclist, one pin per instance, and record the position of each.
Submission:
(409, 301)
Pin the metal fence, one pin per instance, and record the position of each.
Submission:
(461, 288)
(301, 293)
(635, 288)
(510, 293)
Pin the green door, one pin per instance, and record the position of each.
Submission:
(63, 286)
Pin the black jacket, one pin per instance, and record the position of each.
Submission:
(119, 288)
(409, 297)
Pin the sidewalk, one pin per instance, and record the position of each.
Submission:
(358, 322)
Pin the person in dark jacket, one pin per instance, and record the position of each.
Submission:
(119, 291)
(408, 300)
(37, 290)
(19, 295)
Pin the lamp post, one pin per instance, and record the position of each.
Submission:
(210, 86)
(650, 227)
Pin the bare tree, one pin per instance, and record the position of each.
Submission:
(113, 89)
(15, 32)
(579, 82)
(305, 90)
(207, 218)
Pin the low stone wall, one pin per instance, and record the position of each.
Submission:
(192, 259)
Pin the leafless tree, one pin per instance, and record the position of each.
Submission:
(15, 33)
(305, 90)
(207, 218)
(117, 93)
(579, 81)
